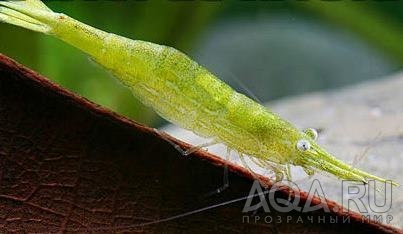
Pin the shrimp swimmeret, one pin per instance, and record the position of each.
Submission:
(186, 94)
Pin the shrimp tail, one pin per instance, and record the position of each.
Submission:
(36, 16)
(30, 14)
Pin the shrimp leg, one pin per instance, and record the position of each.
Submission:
(195, 148)
(199, 147)
(225, 177)
(287, 172)
(187, 151)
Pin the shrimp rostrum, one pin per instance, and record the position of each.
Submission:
(186, 94)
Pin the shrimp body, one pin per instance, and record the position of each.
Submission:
(186, 94)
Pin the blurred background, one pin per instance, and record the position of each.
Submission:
(271, 48)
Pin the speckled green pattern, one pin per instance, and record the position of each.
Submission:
(187, 94)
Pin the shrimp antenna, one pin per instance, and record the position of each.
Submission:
(243, 86)
(359, 157)
(173, 217)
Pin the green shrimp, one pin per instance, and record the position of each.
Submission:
(188, 95)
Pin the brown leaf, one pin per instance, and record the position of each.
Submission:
(68, 165)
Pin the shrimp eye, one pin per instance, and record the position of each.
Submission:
(303, 145)
(312, 133)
